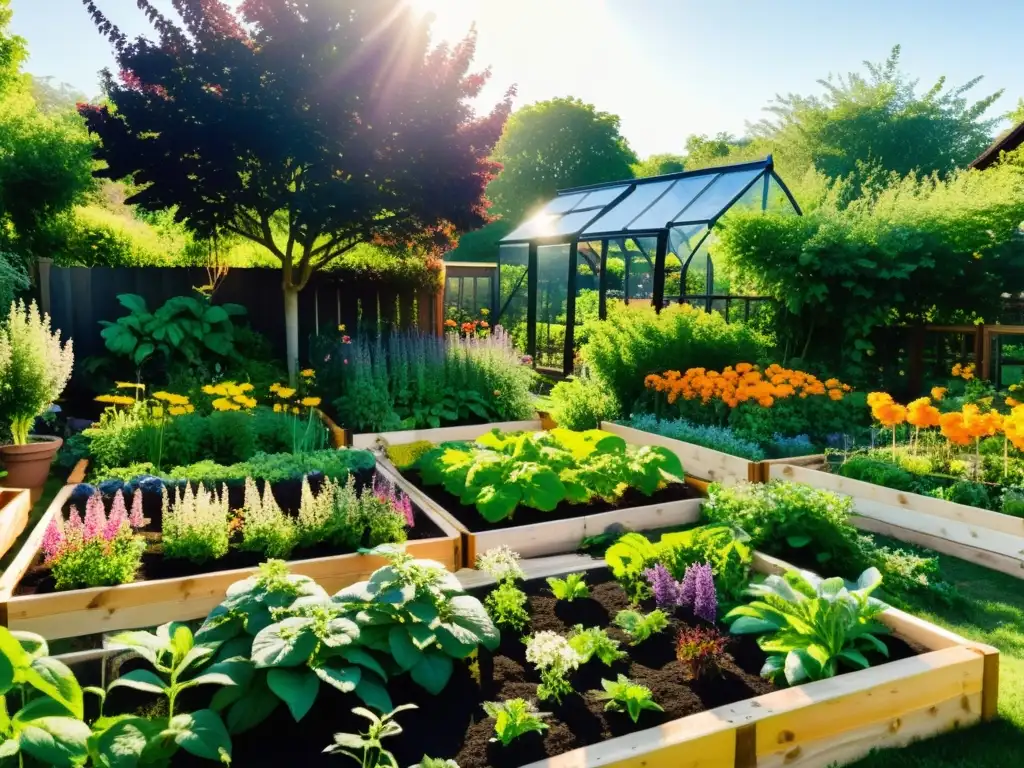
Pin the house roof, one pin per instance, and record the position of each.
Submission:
(1006, 143)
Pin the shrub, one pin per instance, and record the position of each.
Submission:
(195, 524)
(582, 403)
(880, 472)
(967, 492)
(1013, 502)
(782, 447)
(716, 438)
(34, 367)
(635, 341)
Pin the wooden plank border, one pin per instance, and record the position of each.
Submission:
(470, 432)
(15, 508)
(987, 538)
(127, 606)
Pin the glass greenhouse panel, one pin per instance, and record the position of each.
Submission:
(670, 207)
(641, 253)
(564, 203)
(619, 217)
(713, 202)
(552, 293)
(778, 200)
(601, 197)
(512, 266)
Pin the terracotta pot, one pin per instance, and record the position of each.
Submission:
(28, 466)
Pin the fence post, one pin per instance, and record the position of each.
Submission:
(44, 285)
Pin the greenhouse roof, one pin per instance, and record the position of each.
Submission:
(644, 206)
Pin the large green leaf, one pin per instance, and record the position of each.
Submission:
(34, 645)
(218, 342)
(201, 733)
(133, 303)
(122, 744)
(119, 340)
(363, 658)
(345, 679)
(432, 672)
(495, 503)
(540, 486)
(6, 674)
(297, 688)
(403, 650)
(374, 694)
(469, 613)
(53, 678)
(288, 643)
(143, 351)
(140, 680)
(215, 315)
(56, 741)
(253, 708)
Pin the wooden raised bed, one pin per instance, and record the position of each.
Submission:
(987, 538)
(954, 684)
(15, 506)
(147, 603)
(538, 539)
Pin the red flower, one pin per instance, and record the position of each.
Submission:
(346, 339)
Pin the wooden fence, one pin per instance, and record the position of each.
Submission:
(77, 298)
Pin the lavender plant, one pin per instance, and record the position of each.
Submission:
(698, 591)
(195, 524)
(98, 551)
(668, 593)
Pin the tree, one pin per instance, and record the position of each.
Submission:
(879, 121)
(555, 144)
(659, 165)
(704, 152)
(307, 128)
(55, 98)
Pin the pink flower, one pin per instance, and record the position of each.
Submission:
(75, 525)
(53, 539)
(135, 519)
(95, 518)
(118, 517)
(346, 362)
(405, 505)
(346, 339)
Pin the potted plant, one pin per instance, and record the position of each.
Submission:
(34, 369)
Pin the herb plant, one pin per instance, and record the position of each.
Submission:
(554, 658)
(506, 605)
(544, 469)
(373, 754)
(514, 718)
(701, 651)
(809, 626)
(640, 627)
(623, 695)
(594, 642)
(266, 529)
(572, 587)
(195, 524)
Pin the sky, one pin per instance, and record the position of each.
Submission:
(668, 68)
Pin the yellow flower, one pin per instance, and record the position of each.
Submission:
(285, 392)
(277, 407)
(170, 397)
(311, 402)
(115, 399)
(244, 401)
(295, 410)
(223, 404)
(158, 411)
(177, 410)
(275, 387)
(341, 327)
(309, 373)
(190, 408)
(210, 389)
(938, 393)
(129, 385)
(163, 396)
(247, 387)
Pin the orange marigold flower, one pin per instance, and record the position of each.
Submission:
(922, 414)
(890, 414)
(835, 394)
(938, 393)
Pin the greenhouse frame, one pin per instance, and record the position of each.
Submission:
(652, 228)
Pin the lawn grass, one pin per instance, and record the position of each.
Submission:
(992, 612)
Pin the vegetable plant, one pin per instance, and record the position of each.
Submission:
(810, 626)
(554, 658)
(594, 642)
(570, 588)
(641, 627)
(506, 605)
(372, 753)
(514, 718)
(541, 470)
(701, 650)
(626, 696)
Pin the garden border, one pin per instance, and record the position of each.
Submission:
(148, 603)
(15, 509)
(980, 536)
(539, 539)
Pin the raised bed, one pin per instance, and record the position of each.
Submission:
(147, 603)
(950, 683)
(987, 538)
(15, 506)
(537, 539)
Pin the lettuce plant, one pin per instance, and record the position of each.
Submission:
(640, 627)
(541, 470)
(626, 696)
(810, 626)
(701, 650)
(514, 718)
(594, 642)
(572, 587)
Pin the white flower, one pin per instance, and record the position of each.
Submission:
(500, 563)
(549, 650)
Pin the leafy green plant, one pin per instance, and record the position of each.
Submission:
(623, 695)
(640, 627)
(506, 605)
(811, 626)
(514, 718)
(966, 492)
(582, 403)
(880, 472)
(185, 327)
(594, 642)
(194, 526)
(544, 469)
(179, 663)
(554, 658)
(572, 587)
(373, 754)
(1013, 502)
(266, 529)
(49, 702)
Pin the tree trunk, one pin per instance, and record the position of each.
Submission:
(291, 330)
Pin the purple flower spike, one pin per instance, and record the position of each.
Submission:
(405, 505)
(705, 603)
(688, 591)
(95, 518)
(135, 519)
(667, 591)
(53, 539)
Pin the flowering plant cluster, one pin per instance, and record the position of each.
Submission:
(698, 592)
(554, 657)
(744, 383)
(506, 603)
(231, 396)
(195, 524)
(965, 372)
(96, 551)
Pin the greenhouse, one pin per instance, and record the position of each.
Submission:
(642, 239)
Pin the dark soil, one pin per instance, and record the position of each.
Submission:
(155, 566)
(470, 517)
(454, 725)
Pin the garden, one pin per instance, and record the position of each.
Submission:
(704, 471)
